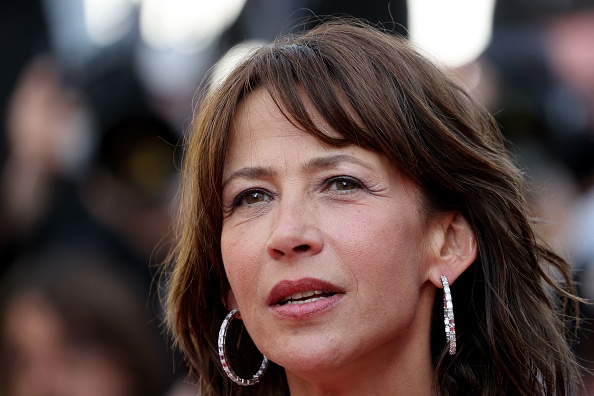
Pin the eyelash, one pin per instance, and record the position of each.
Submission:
(337, 179)
(239, 200)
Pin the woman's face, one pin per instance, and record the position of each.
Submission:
(325, 248)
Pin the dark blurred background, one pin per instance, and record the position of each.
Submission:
(95, 97)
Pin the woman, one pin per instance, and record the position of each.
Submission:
(334, 183)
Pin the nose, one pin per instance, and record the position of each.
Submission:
(295, 231)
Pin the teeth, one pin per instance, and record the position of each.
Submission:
(305, 301)
(302, 298)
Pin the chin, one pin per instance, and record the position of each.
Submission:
(309, 361)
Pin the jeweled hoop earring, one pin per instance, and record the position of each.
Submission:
(225, 361)
(448, 315)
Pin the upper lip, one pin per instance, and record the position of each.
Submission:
(303, 287)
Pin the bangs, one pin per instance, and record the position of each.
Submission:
(294, 74)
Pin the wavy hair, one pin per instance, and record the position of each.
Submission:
(512, 303)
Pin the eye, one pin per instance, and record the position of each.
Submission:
(251, 197)
(343, 183)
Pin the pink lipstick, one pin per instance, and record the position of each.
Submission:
(303, 297)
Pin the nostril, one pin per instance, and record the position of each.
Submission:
(301, 248)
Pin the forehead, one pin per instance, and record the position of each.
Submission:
(259, 114)
(261, 129)
(261, 103)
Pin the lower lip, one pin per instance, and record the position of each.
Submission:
(306, 310)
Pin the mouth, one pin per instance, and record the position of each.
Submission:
(301, 291)
(305, 297)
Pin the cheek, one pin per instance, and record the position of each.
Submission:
(239, 250)
(382, 251)
(390, 238)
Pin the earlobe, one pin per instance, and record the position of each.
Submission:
(457, 250)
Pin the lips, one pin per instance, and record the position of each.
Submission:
(303, 297)
(301, 290)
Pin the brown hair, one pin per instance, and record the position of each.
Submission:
(380, 94)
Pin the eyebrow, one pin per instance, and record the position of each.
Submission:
(248, 173)
(332, 161)
(325, 162)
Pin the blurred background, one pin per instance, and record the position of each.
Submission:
(95, 97)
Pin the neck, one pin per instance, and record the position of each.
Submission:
(400, 367)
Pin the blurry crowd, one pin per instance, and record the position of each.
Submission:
(90, 146)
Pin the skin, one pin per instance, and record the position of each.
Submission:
(344, 216)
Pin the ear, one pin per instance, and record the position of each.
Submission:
(454, 248)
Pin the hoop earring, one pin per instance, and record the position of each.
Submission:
(223, 355)
(448, 315)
